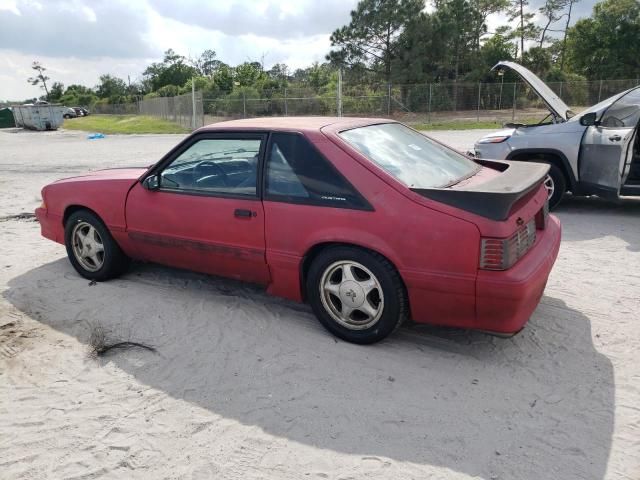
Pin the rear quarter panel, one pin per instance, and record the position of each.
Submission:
(435, 253)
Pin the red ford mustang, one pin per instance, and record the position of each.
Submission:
(367, 220)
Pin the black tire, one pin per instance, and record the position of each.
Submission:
(114, 263)
(394, 309)
(559, 184)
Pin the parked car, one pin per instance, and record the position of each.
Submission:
(80, 111)
(367, 220)
(595, 152)
(69, 113)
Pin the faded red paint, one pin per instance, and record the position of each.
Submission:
(435, 247)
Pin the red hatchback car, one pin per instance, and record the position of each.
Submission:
(369, 221)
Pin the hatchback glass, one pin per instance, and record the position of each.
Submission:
(409, 156)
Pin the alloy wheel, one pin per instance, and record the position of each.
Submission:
(352, 295)
(88, 247)
(549, 185)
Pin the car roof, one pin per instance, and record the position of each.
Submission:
(299, 124)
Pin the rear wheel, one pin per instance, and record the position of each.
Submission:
(91, 249)
(357, 295)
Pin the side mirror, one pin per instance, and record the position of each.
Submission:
(151, 183)
(588, 120)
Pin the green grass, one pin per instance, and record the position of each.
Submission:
(458, 125)
(112, 124)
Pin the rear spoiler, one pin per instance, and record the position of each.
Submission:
(494, 198)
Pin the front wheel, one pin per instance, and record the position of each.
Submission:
(91, 249)
(357, 295)
(556, 185)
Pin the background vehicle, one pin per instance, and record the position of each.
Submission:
(80, 111)
(368, 220)
(596, 152)
(69, 113)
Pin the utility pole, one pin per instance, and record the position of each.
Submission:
(521, 28)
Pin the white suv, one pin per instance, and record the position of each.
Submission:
(596, 152)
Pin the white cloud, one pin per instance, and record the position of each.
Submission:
(15, 68)
(267, 18)
(10, 6)
(78, 40)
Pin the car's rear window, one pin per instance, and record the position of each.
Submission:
(409, 156)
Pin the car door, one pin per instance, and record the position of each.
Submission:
(607, 147)
(200, 208)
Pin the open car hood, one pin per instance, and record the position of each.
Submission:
(555, 104)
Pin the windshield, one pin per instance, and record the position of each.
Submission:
(624, 112)
(598, 107)
(409, 156)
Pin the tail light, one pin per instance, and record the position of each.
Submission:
(502, 253)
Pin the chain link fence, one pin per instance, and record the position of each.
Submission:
(422, 103)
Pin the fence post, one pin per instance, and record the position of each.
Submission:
(513, 114)
(286, 110)
(244, 105)
(389, 100)
(202, 105)
(478, 116)
(174, 109)
(339, 94)
(429, 108)
(193, 103)
(600, 91)
(560, 94)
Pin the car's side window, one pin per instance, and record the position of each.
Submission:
(296, 172)
(216, 166)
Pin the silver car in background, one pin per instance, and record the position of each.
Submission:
(596, 152)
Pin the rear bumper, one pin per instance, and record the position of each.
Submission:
(494, 301)
(505, 300)
(50, 225)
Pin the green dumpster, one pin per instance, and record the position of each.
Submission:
(6, 118)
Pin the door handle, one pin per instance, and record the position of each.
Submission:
(615, 138)
(242, 213)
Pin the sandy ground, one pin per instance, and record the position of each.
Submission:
(246, 386)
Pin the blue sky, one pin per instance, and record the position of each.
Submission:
(78, 40)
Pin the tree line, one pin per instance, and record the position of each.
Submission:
(401, 42)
